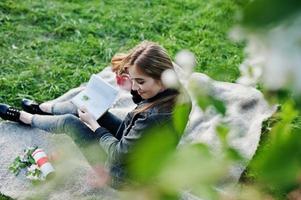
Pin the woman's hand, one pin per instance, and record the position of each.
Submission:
(88, 119)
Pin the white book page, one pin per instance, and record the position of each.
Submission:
(97, 97)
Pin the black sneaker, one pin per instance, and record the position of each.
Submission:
(9, 113)
(32, 107)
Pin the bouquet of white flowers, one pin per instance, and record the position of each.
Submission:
(30, 164)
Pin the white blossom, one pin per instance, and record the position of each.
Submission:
(34, 177)
(186, 59)
(23, 157)
(274, 55)
(14, 46)
(33, 172)
(32, 168)
(251, 72)
(170, 79)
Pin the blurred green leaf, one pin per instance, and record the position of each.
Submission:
(234, 155)
(181, 116)
(230, 153)
(151, 152)
(219, 105)
(278, 165)
(261, 13)
(205, 98)
(204, 101)
(192, 166)
(222, 130)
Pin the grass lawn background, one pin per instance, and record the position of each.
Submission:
(50, 46)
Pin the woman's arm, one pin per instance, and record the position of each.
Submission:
(116, 149)
(108, 121)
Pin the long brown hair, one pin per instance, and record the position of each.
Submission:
(152, 60)
(116, 63)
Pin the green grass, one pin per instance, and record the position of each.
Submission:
(3, 197)
(50, 46)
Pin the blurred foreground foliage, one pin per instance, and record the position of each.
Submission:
(70, 50)
(274, 172)
(276, 167)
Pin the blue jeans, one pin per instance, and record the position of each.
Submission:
(65, 121)
(80, 133)
(63, 105)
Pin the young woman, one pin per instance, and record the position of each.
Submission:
(145, 65)
(63, 104)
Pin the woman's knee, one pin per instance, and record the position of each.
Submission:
(69, 121)
(77, 130)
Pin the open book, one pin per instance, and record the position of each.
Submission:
(97, 97)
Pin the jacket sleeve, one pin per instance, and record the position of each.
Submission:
(116, 149)
(110, 122)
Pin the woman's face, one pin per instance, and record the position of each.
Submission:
(146, 86)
